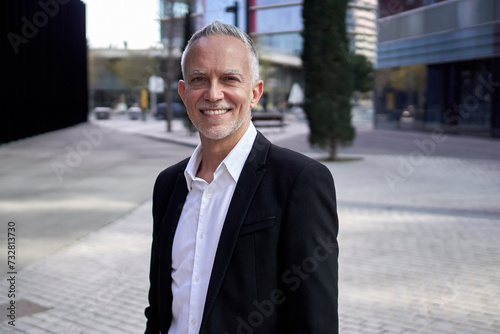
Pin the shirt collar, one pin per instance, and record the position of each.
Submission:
(192, 167)
(233, 162)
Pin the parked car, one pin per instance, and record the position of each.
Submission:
(134, 112)
(178, 109)
(102, 112)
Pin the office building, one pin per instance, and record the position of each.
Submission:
(439, 66)
(361, 20)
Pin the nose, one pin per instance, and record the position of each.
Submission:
(214, 92)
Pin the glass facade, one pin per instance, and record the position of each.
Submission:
(278, 81)
(278, 19)
(393, 7)
(435, 19)
(458, 97)
(400, 91)
(216, 10)
(273, 2)
(287, 43)
(438, 66)
(276, 27)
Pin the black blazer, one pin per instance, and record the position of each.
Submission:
(275, 270)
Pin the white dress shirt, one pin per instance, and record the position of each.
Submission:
(198, 232)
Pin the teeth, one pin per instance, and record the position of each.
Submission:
(215, 112)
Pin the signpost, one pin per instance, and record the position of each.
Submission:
(156, 85)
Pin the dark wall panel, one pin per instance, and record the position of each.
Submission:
(43, 67)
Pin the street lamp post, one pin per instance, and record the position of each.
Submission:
(234, 9)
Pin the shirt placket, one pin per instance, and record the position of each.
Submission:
(200, 250)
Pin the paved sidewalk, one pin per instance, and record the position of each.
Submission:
(418, 255)
(96, 285)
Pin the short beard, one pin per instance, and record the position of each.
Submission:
(217, 132)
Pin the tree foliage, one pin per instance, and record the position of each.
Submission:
(362, 71)
(119, 73)
(327, 73)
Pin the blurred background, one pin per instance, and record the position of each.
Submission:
(89, 115)
(435, 62)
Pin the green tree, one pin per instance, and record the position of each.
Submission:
(327, 74)
(362, 71)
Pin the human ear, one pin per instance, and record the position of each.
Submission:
(181, 89)
(257, 91)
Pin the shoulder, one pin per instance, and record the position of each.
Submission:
(166, 179)
(293, 162)
(172, 171)
(164, 186)
(285, 164)
(275, 156)
(287, 171)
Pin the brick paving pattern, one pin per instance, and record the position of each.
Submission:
(95, 285)
(420, 257)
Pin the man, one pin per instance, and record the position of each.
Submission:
(245, 232)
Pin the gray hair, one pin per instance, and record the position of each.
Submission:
(218, 28)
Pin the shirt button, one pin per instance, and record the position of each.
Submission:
(208, 192)
(201, 235)
(193, 322)
(197, 278)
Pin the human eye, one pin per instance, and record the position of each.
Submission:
(232, 78)
(197, 79)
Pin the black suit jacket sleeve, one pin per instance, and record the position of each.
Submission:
(310, 253)
(151, 312)
(169, 184)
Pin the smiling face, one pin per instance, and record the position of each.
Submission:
(217, 88)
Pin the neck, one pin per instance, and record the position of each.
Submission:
(214, 151)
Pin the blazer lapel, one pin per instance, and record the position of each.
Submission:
(250, 178)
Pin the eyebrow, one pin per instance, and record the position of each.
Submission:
(194, 72)
(234, 72)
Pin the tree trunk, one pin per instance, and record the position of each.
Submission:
(333, 149)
